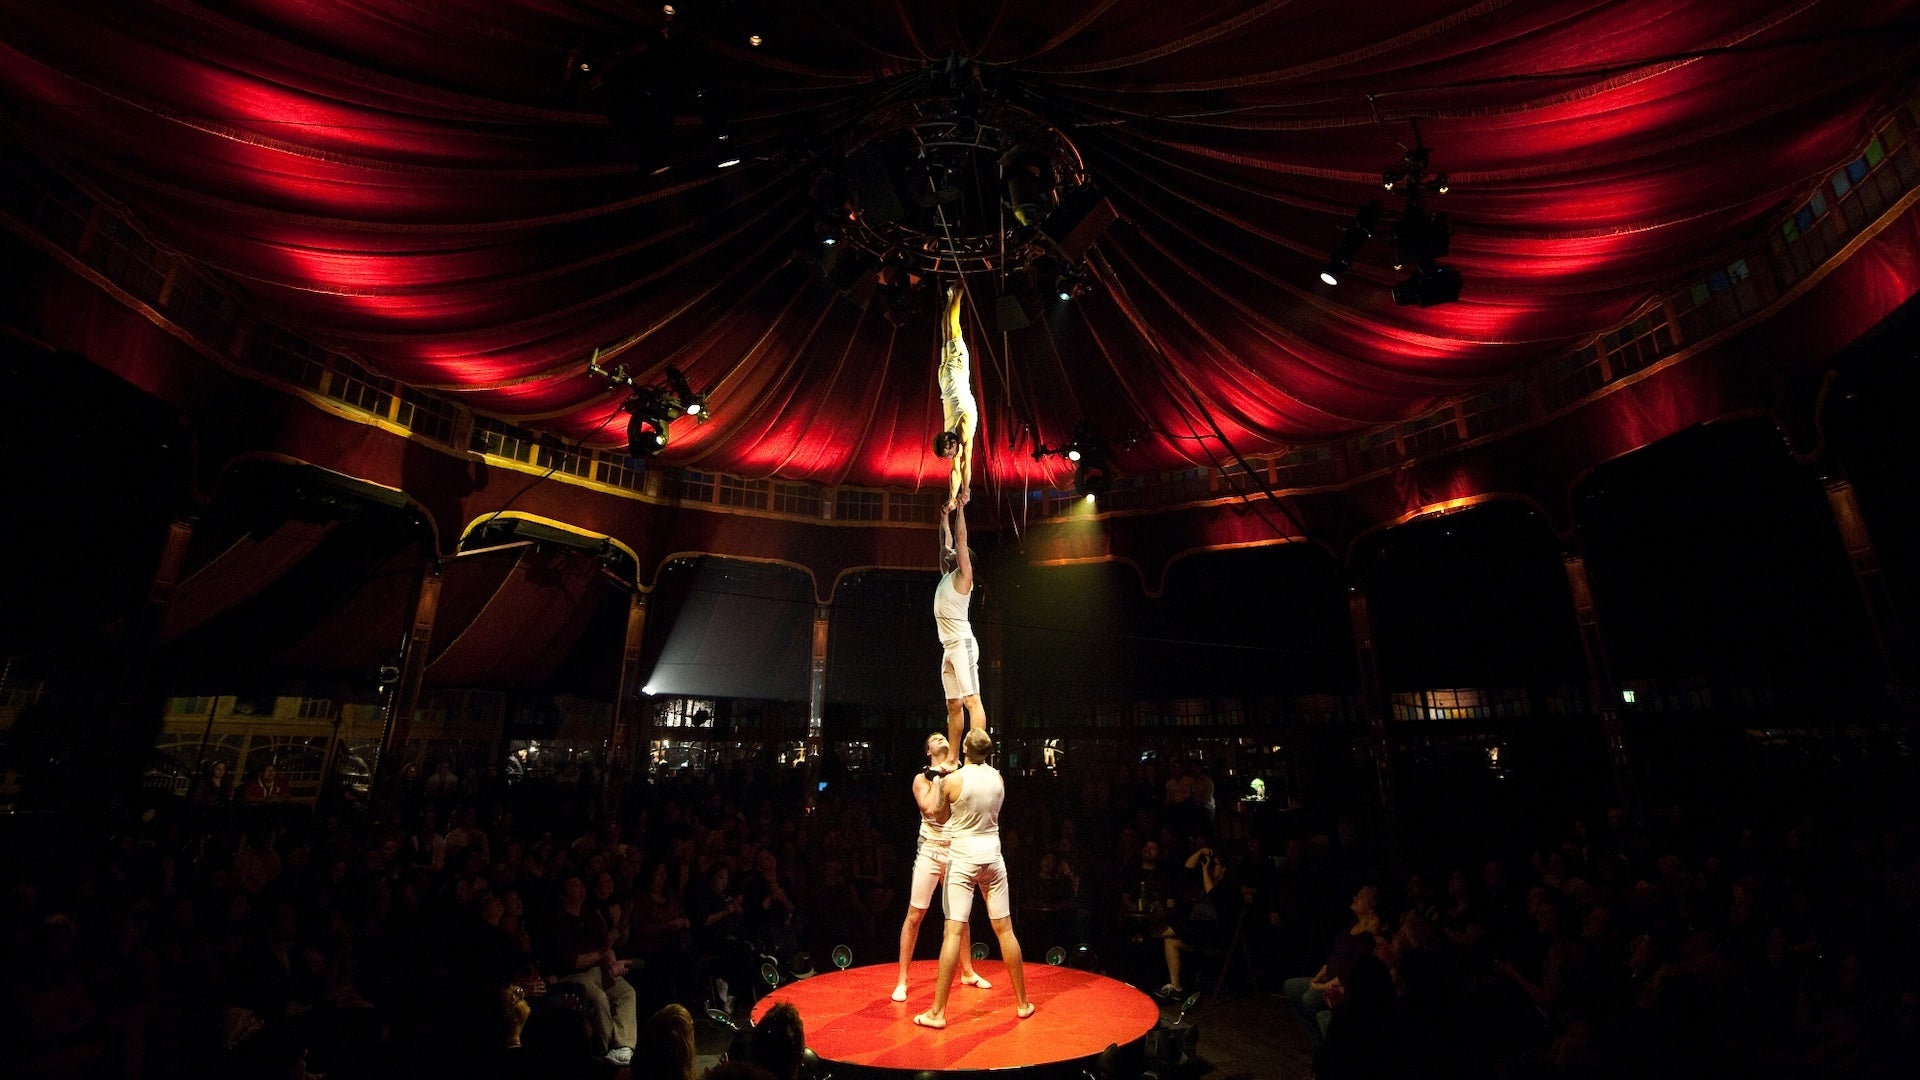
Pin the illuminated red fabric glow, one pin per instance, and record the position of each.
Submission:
(424, 188)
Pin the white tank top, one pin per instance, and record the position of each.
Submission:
(950, 612)
(974, 823)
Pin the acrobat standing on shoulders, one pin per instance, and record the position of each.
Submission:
(960, 650)
(958, 411)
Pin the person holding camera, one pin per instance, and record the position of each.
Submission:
(931, 858)
(1208, 924)
(716, 914)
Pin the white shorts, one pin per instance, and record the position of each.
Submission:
(988, 876)
(929, 870)
(960, 669)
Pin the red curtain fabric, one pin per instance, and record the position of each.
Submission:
(429, 189)
(520, 631)
(239, 573)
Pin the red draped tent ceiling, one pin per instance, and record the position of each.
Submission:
(429, 189)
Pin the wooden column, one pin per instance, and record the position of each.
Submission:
(632, 717)
(405, 694)
(1887, 631)
(1373, 695)
(817, 691)
(1606, 694)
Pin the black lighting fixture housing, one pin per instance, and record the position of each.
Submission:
(1421, 236)
(1366, 222)
(1088, 453)
(653, 409)
(1073, 282)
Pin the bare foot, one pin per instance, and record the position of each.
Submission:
(974, 978)
(928, 1020)
(900, 992)
(1024, 1011)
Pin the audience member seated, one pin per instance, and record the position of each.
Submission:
(1207, 924)
(666, 1049)
(772, 922)
(1308, 994)
(580, 951)
(266, 786)
(715, 912)
(780, 1041)
(663, 937)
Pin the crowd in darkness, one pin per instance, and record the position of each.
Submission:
(542, 928)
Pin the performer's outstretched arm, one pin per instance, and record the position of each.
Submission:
(963, 559)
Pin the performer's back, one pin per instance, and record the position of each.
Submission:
(974, 823)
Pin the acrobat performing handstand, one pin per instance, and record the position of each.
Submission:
(930, 860)
(969, 802)
(959, 413)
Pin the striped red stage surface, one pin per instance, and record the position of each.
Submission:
(851, 1018)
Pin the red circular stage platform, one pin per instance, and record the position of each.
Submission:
(851, 1019)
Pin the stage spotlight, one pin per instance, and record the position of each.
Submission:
(1441, 286)
(1056, 956)
(1073, 453)
(842, 957)
(979, 950)
(1359, 231)
(646, 428)
(1072, 282)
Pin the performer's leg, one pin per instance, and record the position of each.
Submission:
(1010, 952)
(909, 933)
(956, 726)
(936, 1017)
(976, 714)
(953, 311)
(968, 976)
